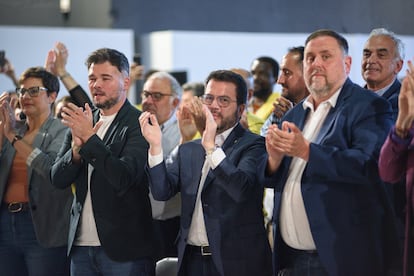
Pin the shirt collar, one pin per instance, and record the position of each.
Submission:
(220, 138)
(308, 103)
(381, 92)
(169, 122)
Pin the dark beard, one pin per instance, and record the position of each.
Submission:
(107, 104)
(262, 94)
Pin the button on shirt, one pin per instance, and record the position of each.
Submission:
(294, 224)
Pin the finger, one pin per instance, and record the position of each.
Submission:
(143, 118)
(153, 120)
(97, 126)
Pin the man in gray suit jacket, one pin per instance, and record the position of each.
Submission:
(222, 230)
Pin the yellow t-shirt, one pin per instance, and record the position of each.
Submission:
(255, 123)
(267, 108)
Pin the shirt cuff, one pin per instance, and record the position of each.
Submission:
(154, 160)
(216, 157)
(401, 141)
(35, 152)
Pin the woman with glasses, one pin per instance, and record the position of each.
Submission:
(34, 215)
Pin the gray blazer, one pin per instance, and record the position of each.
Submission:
(49, 206)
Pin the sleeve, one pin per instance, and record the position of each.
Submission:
(237, 175)
(42, 159)
(393, 157)
(122, 161)
(64, 171)
(80, 97)
(350, 151)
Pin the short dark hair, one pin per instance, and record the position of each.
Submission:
(113, 56)
(229, 76)
(273, 64)
(50, 81)
(197, 88)
(299, 50)
(343, 43)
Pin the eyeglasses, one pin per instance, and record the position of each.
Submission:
(33, 91)
(222, 101)
(156, 96)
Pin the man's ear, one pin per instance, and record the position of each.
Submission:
(176, 102)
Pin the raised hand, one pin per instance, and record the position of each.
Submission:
(209, 134)
(79, 121)
(188, 128)
(281, 106)
(151, 131)
(406, 103)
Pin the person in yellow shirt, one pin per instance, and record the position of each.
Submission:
(265, 71)
(248, 119)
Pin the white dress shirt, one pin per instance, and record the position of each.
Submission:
(197, 234)
(294, 223)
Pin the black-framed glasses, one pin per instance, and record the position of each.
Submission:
(33, 91)
(222, 101)
(156, 96)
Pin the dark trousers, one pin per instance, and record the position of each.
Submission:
(93, 261)
(302, 263)
(20, 252)
(196, 264)
(165, 233)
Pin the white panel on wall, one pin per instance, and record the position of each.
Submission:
(27, 46)
(202, 52)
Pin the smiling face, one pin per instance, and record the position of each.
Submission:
(39, 105)
(108, 87)
(380, 62)
(225, 117)
(326, 67)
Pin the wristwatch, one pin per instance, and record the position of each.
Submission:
(15, 139)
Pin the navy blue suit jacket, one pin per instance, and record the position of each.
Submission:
(345, 201)
(391, 95)
(231, 198)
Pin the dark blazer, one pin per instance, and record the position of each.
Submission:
(119, 187)
(231, 198)
(392, 96)
(346, 203)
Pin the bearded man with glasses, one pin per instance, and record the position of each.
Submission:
(222, 230)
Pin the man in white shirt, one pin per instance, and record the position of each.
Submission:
(330, 205)
(222, 231)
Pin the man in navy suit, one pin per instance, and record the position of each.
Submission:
(222, 230)
(330, 208)
(382, 60)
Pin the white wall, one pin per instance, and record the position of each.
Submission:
(202, 52)
(28, 46)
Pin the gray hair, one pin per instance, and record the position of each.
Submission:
(399, 45)
(174, 84)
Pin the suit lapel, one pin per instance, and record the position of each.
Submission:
(197, 162)
(334, 112)
(228, 146)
